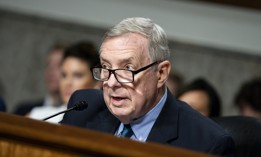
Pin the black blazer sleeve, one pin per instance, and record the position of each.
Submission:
(95, 101)
(224, 146)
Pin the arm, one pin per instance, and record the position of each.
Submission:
(224, 146)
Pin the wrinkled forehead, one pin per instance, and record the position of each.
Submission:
(130, 46)
(127, 39)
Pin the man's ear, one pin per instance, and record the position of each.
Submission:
(164, 68)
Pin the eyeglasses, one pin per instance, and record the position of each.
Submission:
(121, 75)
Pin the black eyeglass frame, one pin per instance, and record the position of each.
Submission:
(112, 71)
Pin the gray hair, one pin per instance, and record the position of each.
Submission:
(158, 43)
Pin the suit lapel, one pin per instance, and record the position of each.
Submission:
(104, 121)
(165, 128)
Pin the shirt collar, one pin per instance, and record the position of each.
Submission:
(142, 126)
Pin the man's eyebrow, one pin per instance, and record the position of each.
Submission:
(124, 60)
(127, 59)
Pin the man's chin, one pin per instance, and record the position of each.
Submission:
(124, 118)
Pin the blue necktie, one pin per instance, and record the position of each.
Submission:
(127, 131)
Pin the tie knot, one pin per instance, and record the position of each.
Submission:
(127, 126)
(127, 131)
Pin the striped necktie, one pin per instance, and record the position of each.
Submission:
(127, 131)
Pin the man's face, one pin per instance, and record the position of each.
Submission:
(129, 101)
(52, 71)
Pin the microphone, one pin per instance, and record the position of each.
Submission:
(81, 105)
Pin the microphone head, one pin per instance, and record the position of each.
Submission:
(81, 106)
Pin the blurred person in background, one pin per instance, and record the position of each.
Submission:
(201, 96)
(248, 98)
(52, 74)
(75, 75)
(2, 102)
(2, 105)
(174, 83)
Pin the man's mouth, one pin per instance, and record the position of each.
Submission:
(117, 98)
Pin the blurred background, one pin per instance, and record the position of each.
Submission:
(219, 40)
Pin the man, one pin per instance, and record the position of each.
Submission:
(52, 75)
(134, 68)
(175, 83)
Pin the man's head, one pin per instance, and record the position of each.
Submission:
(132, 44)
(174, 83)
(52, 70)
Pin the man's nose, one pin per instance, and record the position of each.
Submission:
(112, 81)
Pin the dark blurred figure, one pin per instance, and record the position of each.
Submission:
(2, 102)
(248, 98)
(174, 83)
(52, 74)
(201, 96)
(2, 105)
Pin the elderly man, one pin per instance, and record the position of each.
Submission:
(135, 66)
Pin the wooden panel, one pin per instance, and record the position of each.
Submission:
(16, 149)
(21, 136)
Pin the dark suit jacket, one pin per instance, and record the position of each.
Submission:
(177, 125)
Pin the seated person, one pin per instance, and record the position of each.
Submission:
(135, 66)
(174, 83)
(75, 75)
(201, 96)
(51, 77)
(248, 98)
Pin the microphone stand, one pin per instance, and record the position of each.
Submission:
(78, 107)
(58, 114)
